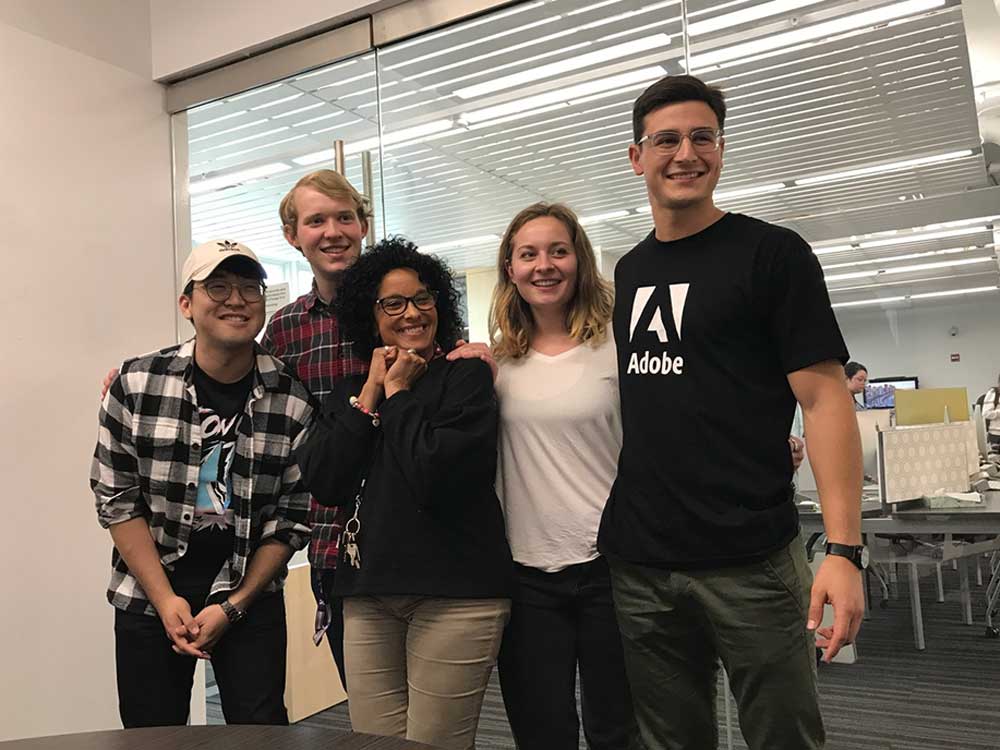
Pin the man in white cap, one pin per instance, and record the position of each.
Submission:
(194, 477)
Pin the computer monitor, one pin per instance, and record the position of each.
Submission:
(880, 393)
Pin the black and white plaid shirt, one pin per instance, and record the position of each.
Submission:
(148, 459)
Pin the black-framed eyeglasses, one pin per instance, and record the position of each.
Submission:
(396, 304)
(703, 140)
(220, 290)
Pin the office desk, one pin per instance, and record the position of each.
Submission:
(216, 738)
(981, 519)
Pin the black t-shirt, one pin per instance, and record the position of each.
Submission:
(220, 407)
(707, 329)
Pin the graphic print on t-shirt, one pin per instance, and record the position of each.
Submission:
(649, 306)
(218, 437)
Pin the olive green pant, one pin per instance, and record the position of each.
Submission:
(677, 625)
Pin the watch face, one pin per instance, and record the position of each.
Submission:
(864, 558)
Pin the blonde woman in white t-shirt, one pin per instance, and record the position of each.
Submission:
(560, 436)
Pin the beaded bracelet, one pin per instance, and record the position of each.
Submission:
(364, 410)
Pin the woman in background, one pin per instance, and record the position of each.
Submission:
(425, 571)
(857, 378)
(560, 437)
(991, 413)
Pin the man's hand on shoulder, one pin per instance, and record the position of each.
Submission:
(465, 350)
(108, 380)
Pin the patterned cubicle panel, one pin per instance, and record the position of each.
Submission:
(926, 460)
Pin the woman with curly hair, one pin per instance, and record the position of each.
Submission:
(560, 435)
(425, 571)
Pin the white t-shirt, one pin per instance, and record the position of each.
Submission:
(560, 436)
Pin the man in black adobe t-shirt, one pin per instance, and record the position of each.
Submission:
(722, 323)
(194, 477)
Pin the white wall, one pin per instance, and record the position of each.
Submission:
(916, 341)
(479, 283)
(85, 235)
(187, 35)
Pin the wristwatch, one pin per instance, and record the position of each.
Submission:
(856, 554)
(233, 613)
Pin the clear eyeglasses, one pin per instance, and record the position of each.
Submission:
(703, 140)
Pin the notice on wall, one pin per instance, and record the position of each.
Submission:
(276, 298)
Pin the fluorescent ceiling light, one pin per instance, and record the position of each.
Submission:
(954, 292)
(881, 168)
(748, 15)
(923, 295)
(276, 102)
(578, 62)
(563, 95)
(291, 112)
(400, 136)
(892, 270)
(923, 237)
(235, 178)
(369, 144)
(317, 119)
(863, 302)
(254, 92)
(849, 22)
(606, 216)
(227, 130)
(475, 42)
(478, 240)
(771, 187)
(217, 119)
(244, 139)
(644, 209)
(908, 256)
(832, 249)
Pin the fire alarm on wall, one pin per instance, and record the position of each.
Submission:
(956, 357)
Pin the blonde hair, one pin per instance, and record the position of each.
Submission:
(589, 311)
(331, 184)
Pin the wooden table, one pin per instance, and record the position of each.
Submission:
(216, 738)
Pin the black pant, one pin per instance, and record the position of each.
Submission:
(558, 621)
(323, 591)
(154, 683)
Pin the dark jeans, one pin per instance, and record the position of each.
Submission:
(323, 591)
(559, 621)
(677, 624)
(154, 683)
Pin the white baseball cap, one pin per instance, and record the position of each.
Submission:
(207, 256)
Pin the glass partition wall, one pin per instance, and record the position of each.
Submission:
(852, 122)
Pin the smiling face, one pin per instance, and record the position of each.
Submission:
(413, 329)
(543, 264)
(687, 178)
(328, 232)
(228, 326)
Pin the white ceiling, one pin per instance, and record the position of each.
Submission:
(825, 89)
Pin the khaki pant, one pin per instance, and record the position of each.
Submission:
(677, 625)
(417, 667)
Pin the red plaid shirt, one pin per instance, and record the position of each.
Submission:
(305, 336)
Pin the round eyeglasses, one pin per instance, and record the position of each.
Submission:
(703, 140)
(220, 291)
(396, 304)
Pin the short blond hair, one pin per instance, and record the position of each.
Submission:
(331, 184)
(590, 309)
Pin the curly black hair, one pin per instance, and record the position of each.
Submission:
(355, 303)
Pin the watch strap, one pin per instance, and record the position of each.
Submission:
(233, 613)
(854, 553)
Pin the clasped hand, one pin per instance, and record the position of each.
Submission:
(192, 635)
